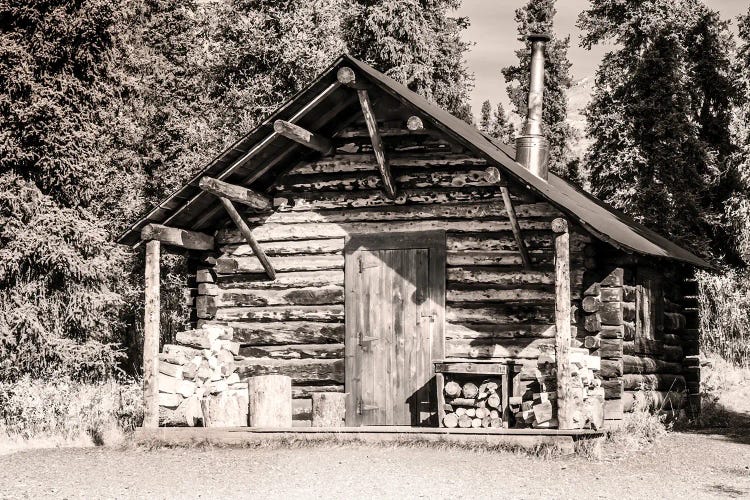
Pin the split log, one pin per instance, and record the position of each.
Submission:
(284, 313)
(306, 391)
(471, 412)
(295, 351)
(464, 402)
(279, 248)
(500, 295)
(240, 297)
(224, 410)
(611, 368)
(328, 409)
(173, 370)
(499, 313)
(182, 238)
(616, 278)
(365, 162)
(489, 348)
(238, 194)
(250, 265)
(609, 294)
(270, 401)
(610, 348)
(543, 412)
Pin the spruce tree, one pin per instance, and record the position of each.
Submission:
(537, 16)
(486, 123)
(416, 42)
(659, 116)
(502, 128)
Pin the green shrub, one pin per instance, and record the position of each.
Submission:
(69, 410)
(724, 301)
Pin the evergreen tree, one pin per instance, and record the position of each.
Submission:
(417, 43)
(486, 123)
(502, 128)
(659, 116)
(57, 265)
(537, 16)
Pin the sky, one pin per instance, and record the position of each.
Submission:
(493, 31)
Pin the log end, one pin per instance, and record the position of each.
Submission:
(560, 225)
(346, 76)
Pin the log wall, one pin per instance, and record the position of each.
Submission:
(294, 325)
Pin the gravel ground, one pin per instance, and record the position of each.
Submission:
(708, 465)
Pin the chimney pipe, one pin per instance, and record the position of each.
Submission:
(532, 149)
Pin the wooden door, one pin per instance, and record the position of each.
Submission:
(392, 315)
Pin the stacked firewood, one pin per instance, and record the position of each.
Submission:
(198, 383)
(539, 409)
(469, 405)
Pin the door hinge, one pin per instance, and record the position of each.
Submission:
(363, 266)
(363, 338)
(361, 407)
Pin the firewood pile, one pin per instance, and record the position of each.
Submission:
(198, 383)
(470, 405)
(539, 409)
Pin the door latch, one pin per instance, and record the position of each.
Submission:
(363, 338)
(361, 407)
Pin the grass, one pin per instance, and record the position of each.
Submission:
(36, 413)
(725, 394)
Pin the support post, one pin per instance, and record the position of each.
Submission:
(151, 337)
(347, 77)
(565, 397)
(248, 235)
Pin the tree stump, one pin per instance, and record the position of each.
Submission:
(270, 401)
(328, 409)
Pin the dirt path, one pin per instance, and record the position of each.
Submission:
(683, 466)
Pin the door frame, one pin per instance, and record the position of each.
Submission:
(435, 242)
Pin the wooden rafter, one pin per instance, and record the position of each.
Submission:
(304, 137)
(492, 174)
(190, 240)
(248, 235)
(237, 194)
(347, 77)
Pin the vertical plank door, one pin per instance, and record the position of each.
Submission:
(390, 343)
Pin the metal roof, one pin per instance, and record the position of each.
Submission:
(603, 221)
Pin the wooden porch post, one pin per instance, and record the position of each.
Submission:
(151, 337)
(565, 401)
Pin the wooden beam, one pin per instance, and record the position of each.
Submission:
(414, 123)
(302, 136)
(515, 226)
(565, 400)
(151, 337)
(248, 235)
(238, 194)
(174, 236)
(347, 77)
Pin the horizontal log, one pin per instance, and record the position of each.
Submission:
(190, 240)
(612, 388)
(205, 276)
(628, 293)
(301, 409)
(612, 332)
(610, 294)
(500, 314)
(285, 313)
(295, 279)
(671, 339)
(287, 332)
(275, 248)
(285, 202)
(239, 297)
(365, 162)
(499, 277)
(610, 348)
(306, 391)
(653, 400)
(474, 211)
(490, 348)
(242, 265)
(635, 364)
(408, 179)
(292, 232)
(611, 368)
(205, 307)
(674, 321)
(497, 331)
(301, 371)
(591, 304)
(653, 382)
(238, 194)
(643, 346)
(294, 351)
(500, 295)
(510, 258)
(534, 240)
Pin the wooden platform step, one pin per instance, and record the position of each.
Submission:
(237, 436)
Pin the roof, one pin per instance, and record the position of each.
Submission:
(255, 155)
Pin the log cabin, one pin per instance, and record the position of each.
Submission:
(364, 242)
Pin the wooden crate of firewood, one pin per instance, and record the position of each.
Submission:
(473, 395)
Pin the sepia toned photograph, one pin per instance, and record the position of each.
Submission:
(375, 249)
